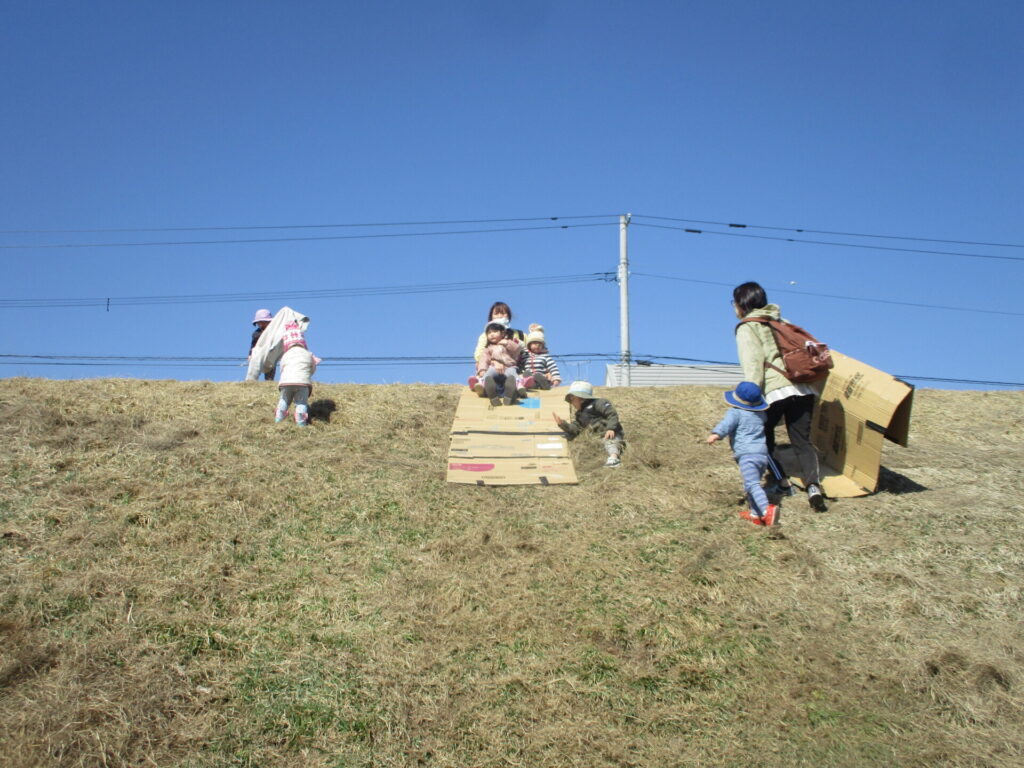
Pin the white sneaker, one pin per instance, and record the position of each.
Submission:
(613, 461)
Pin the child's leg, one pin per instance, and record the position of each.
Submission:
(752, 466)
(302, 406)
(613, 447)
(287, 394)
(491, 382)
(514, 384)
(540, 381)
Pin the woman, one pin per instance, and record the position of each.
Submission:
(759, 357)
(499, 313)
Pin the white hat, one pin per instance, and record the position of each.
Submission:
(582, 389)
(536, 334)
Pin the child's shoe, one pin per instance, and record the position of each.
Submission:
(508, 400)
(613, 461)
(521, 387)
(747, 514)
(495, 401)
(772, 515)
(476, 385)
(816, 498)
(279, 416)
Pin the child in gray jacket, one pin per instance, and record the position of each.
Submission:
(744, 425)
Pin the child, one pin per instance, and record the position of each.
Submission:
(594, 414)
(496, 368)
(499, 312)
(536, 364)
(261, 320)
(297, 367)
(744, 424)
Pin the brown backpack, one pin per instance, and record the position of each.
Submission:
(804, 357)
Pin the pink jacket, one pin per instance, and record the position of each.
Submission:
(505, 352)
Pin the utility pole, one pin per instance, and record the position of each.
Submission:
(623, 280)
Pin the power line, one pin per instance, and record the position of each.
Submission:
(27, 246)
(829, 232)
(445, 222)
(837, 296)
(832, 243)
(325, 293)
(236, 362)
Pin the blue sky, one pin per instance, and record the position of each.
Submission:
(892, 118)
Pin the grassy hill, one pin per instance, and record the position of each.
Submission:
(184, 583)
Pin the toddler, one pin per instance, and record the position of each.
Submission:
(297, 367)
(744, 425)
(596, 415)
(536, 364)
(496, 367)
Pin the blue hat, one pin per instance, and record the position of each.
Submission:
(747, 396)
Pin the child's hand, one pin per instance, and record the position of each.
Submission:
(713, 438)
(499, 367)
(609, 434)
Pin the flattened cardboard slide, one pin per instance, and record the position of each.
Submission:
(859, 406)
(510, 444)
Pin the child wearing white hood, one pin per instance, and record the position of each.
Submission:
(297, 367)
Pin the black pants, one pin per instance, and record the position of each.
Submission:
(797, 411)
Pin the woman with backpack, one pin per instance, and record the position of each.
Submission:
(763, 364)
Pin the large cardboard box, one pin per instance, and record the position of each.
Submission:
(859, 407)
(510, 445)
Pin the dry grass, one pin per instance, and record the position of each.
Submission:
(185, 583)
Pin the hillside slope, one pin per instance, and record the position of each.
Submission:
(185, 583)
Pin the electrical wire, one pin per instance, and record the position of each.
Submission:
(301, 226)
(324, 293)
(829, 232)
(832, 243)
(837, 296)
(109, 361)
(245, 241)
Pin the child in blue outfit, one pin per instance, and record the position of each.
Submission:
(744, 425)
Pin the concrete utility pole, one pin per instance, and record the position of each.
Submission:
(623, 280)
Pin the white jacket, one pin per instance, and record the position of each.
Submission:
(297, 366)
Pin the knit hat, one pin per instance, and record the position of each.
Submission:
(262, 316)
(293, 336)
(747, 396)
(582, 389)
(536, 334)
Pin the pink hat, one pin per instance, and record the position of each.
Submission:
(293, 336)
(261, 316)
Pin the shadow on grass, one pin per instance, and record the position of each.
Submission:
(894, 482)
(321, 410)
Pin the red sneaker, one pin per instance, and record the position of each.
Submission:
(772, 515)
(747, 515)
(476, 385)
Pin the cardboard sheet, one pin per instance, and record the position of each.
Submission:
(510, 445)
(859, 407)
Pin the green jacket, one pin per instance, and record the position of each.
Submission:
(755, 345)
(597, 415)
